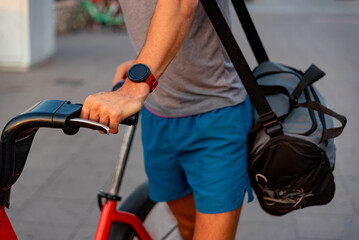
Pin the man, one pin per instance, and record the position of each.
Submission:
(194, 124)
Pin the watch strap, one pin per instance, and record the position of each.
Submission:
(152, 82)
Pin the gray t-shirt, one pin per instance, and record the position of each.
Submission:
(201, 77)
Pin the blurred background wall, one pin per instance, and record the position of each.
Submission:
(27, 33)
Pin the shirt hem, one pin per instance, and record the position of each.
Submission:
(170, 114)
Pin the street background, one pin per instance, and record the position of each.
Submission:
(55, 197)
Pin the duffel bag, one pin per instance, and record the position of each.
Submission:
(293, 169)
(292, 152)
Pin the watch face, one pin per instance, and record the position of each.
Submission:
(138, 73)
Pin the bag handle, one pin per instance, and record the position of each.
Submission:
(310, 76)
(267, 117)
(331, 132)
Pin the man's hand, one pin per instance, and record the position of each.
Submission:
(122, 70)
(110, 108)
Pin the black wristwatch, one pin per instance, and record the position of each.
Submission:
(141, 73)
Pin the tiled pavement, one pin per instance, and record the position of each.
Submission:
(55, 198)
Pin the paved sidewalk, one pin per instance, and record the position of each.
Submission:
(55, 198)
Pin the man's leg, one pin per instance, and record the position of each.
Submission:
(195, 225)
(185, 212)
(220, 226)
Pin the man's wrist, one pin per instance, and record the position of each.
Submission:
(140, 88)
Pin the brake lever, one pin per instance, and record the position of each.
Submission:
(75, 123)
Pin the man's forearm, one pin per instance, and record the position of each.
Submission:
(168, 29)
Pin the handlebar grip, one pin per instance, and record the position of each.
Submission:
(130, 120)
(118, 85)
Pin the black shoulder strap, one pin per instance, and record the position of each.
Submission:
(267, 117)
(250, 31)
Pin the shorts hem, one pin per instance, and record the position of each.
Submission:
(227, 208)
(172, 197)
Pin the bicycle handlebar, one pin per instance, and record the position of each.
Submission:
(56, 114)
(18, 134)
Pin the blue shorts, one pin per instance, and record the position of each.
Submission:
(204, 154)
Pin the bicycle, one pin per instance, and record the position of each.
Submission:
(105, 12)
(138, 215)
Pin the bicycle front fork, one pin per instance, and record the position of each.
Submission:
(109, 215)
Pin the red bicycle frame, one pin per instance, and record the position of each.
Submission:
(6, 230)
(109, 215)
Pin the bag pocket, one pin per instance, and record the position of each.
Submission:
(289, 174)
